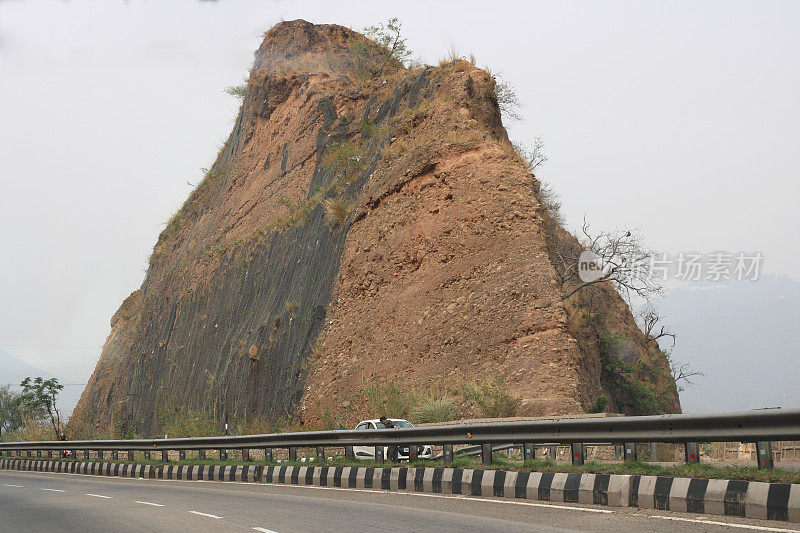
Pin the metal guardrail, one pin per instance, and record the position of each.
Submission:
(743, 426)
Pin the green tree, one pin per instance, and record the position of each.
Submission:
(39, 398)
(12, 415)
(390, 38)
(239, 91)
(392, 48)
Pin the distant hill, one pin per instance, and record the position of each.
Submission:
(743, 336)
(14, 370)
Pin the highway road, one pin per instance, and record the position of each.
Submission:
(34, 501)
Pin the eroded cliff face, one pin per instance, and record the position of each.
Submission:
(353, 231)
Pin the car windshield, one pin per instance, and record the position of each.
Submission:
(398, 423)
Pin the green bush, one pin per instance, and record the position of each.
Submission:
(387, 399)
(330, 422)
(430, 410)
(343, 158)
(177, 422)
(368, 128)
(491, 400)
(30, 430)
(599, 405)
(630, 383)
(239, 91)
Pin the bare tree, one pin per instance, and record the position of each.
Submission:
(617, 257)
(507, 99)
(649, 318)
(682, 374)
(534, 156)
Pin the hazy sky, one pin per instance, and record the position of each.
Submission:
(680, 118)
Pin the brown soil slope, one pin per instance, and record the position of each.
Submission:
(354, 231)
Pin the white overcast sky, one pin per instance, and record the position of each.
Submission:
(680, 118)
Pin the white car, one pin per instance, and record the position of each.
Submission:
(368, 452)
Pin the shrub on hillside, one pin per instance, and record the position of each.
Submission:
(237, 90)
(387, 399)
(189, 423)
(337, 211)
(491, 400)
(599, 405)
(430, 410)
(31, 430)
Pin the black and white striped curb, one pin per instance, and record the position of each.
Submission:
(772, 501)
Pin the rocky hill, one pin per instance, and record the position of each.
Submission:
(365, 228)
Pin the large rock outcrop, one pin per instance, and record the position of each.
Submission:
(356, 229)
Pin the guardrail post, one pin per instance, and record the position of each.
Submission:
(100, 454)
(764, 454)
(447, 453)
(653, 452)
(528, 452)
(348, 452)
(147, 455)
(29, 453)
(578, 453)
(486, 453)
(553, 452)
(320, 453)
(268, 455)
(630, 451)
(181, 455)
(246, 454)
(691, 452)
(201, 454)
(617, 451)
(49, 454)
(379, 454)
(223, 455)
(293, 453)
(86, 454)
(130, 455)
(114, 455)
(38, 453)
(413, 452)
(164, 456)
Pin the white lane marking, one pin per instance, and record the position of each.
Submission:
(150, 503)
(98, 496)
(264, 530)
(397, 493)
(53, 490)
(725, 524)
(206, 514)
(10, 485)
(471, 498)
(456, 497)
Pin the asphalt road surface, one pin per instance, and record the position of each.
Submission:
(37, 501)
